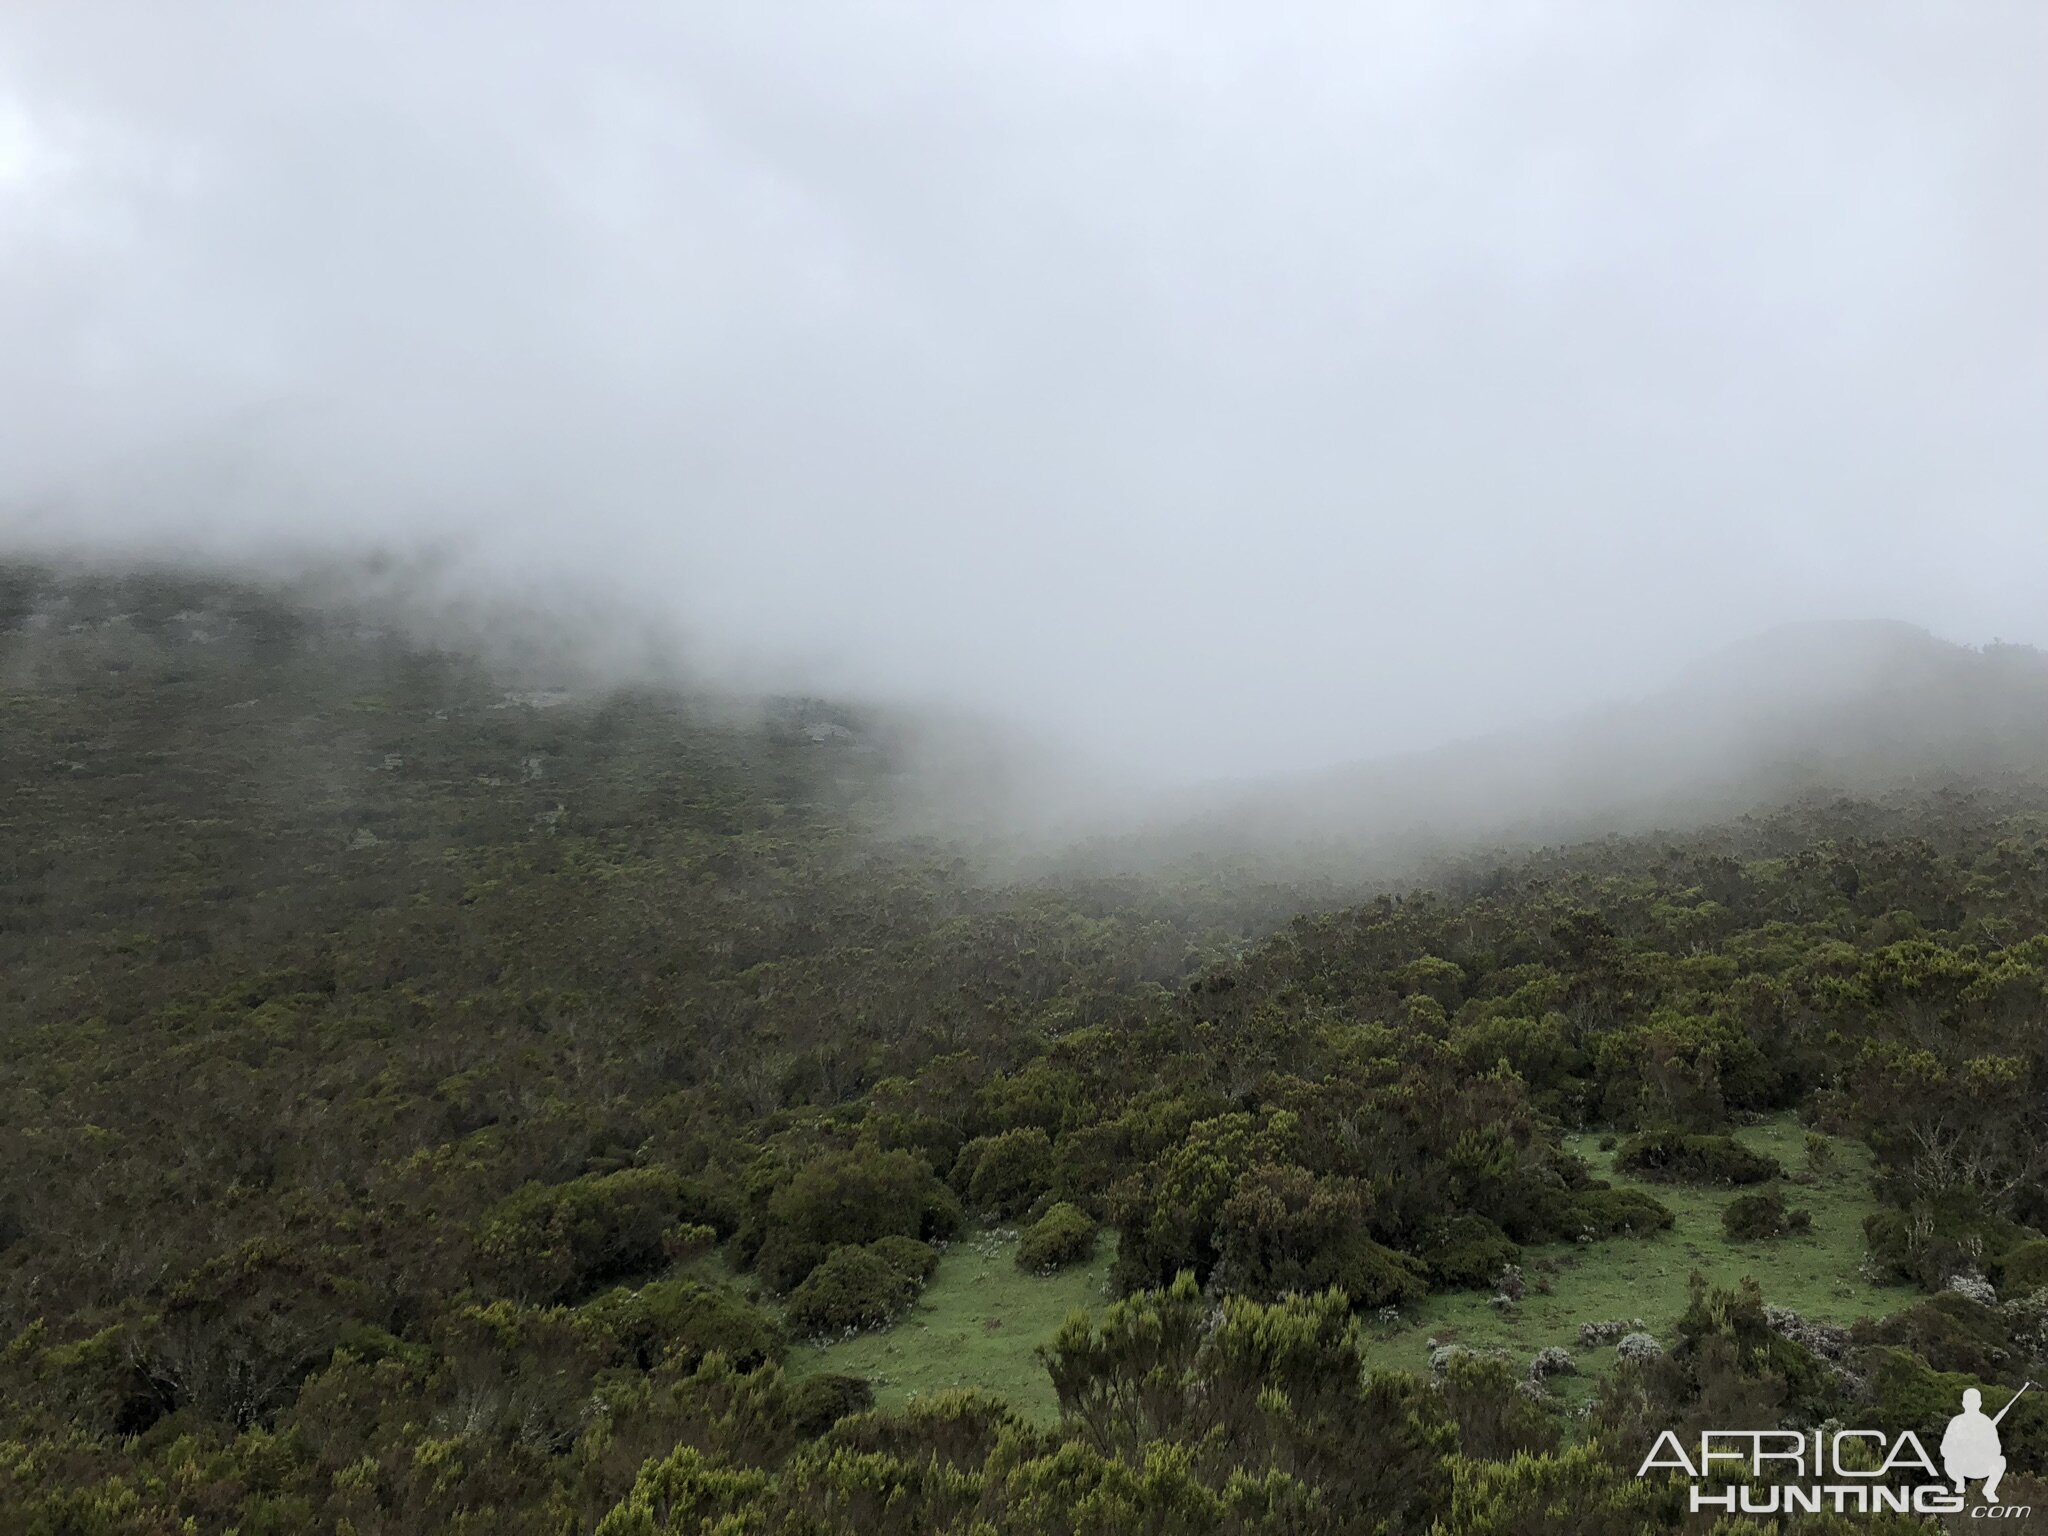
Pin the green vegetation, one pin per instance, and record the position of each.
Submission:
(1062, 1237)
(1753, 1217)
(979, 1324)
(1675, 1156)
(1815, 1272)
(445, 1098)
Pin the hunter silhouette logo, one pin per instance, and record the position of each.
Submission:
(1970, 1448)
(1846, 1471)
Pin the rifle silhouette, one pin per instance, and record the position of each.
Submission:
(2010, 1401)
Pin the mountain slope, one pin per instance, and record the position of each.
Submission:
(1821, 709)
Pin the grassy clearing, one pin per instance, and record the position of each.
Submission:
(980, 1320)
(978, 1324)
(1815, 1273)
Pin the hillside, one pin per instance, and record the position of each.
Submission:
(443, 1093)
(1806, 711)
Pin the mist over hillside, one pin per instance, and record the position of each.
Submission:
(1048, 770)
(457, 1088)
(1803, 712)
(1203, 398)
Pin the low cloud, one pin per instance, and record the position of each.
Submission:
(1211, 391)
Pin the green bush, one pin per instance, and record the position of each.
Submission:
(1937, 1238)
(681, 1321)
(852, 1288)
(818, 1402)
(1063, 1236)
(1468, 1251)
(784, 1259)
(1375, 1276)
(913, 1260)
(1691, 1159)
(559, 1242)
(1604, 1211)
(855, 1197)
(1749, 1218)
(2023, 1267)
(1949, 1332)
(1007, 1174)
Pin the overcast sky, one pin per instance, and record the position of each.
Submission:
(1222, 388)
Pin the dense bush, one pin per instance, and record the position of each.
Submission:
(1469, 1251)
(784, 1258)
(855, 1197)
(1284, 1231)
(1949, 1332)
(1695, 1159)
(818, 1402)
(1003, 1176)
(913, 1260)
(2023, 1267)
(1604, 1211)
(681, 1321)
(1748, 1218)
(557, 1242)
(852, 1288)
(1934, 1239)
(1064, 1235)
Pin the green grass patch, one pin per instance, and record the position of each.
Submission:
(978, 1324)
(980, 1320)
(1815, 1272)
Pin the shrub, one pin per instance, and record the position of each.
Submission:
(1086, 1162)
(688, 1240)
(1933, 1239)
(1604, 1211)
(1064, 1235)
(852, 1288)
(1374, 1276)
(1638, 1346)
(1951, 1332)
(1750, 1218)
(1554, 1361)
(2026, 1316)
(559, 1242)
(1284, 1230)
(681, 1321)
(2024, 1266)
(913, 1260)
(1008, 1173)
(818, 1402)
(1690, 1159)
(785, 1259)
(850, 1198)
(1497, 1417)
(1468, 1251)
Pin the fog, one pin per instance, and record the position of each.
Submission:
(1209, 390)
